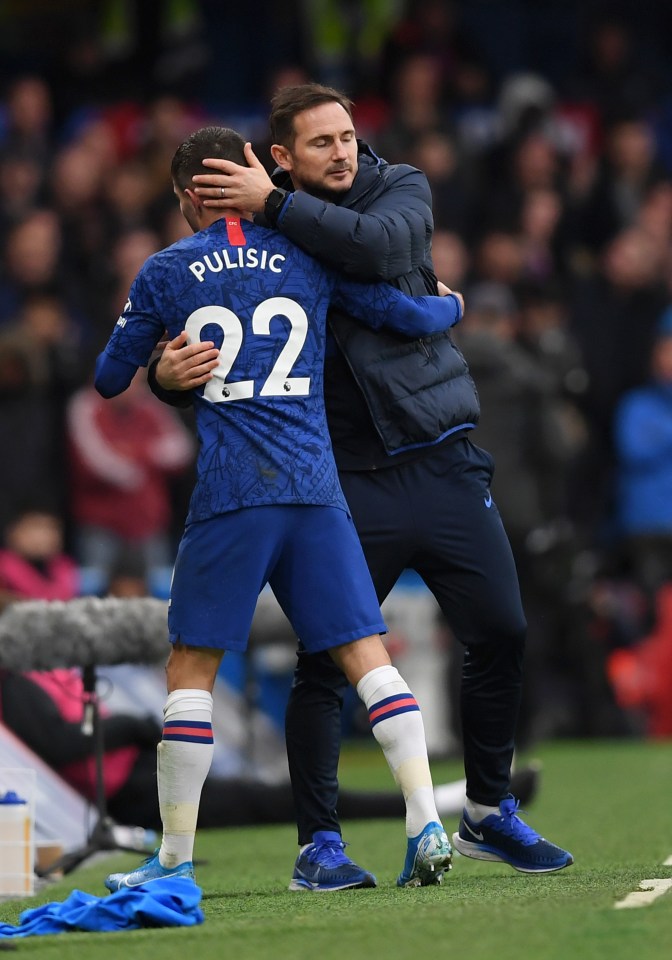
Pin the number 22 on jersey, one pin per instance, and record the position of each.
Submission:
(278, 383)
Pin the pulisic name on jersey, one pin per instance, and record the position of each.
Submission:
(215, 262)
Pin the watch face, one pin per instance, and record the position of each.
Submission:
(274, 202)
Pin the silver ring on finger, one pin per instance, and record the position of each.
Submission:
(221, 192)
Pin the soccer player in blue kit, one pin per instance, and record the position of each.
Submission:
(267, 506)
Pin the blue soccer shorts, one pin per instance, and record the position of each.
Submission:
(310, 555)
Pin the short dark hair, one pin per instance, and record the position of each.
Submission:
(206, 142)
(288, 101)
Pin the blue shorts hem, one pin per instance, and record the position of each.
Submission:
(329, 642)
(318, 646)
(191, 641)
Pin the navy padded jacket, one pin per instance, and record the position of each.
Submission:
(418, 392)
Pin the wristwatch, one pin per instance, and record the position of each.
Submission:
(273, 204)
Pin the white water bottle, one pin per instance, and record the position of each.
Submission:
(16, 846)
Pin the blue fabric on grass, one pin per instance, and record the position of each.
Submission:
(170, 902)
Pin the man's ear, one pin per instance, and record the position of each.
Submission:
(282, 156)
(194, 197)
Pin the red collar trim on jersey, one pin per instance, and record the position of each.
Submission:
(234, 232)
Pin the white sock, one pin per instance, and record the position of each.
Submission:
(397, 725)
(184, 756)
(479, 811)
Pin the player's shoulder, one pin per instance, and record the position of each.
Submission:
(156, 262)
(272, 240)
(264, 236)
(165, 260)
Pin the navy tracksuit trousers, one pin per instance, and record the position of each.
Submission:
(434, 515)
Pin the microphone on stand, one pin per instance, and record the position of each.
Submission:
(85, 632)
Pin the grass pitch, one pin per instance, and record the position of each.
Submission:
(608, 802)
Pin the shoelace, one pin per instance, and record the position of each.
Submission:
(511, 824)
(329, 854)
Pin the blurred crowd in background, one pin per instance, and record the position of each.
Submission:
(545, 129)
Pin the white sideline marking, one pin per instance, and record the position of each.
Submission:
(649, 891)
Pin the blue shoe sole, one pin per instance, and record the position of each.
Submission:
(480, 851)
(300, 884)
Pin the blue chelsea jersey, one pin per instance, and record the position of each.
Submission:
(261, 420)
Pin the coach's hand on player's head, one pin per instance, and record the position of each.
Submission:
(232, 186)
(183, 366)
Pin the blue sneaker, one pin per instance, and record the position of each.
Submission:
(508, 839)
(428, 856)
(323, 866)
(150, 870)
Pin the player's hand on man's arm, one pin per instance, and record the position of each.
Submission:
(228, 185)
(444, 291)
(183, 366)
